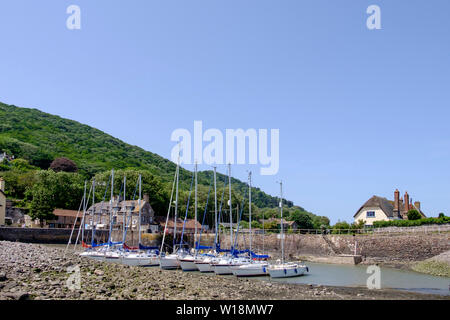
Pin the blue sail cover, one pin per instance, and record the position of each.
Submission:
(106, 244)
(259, 256)
(142, 247)
(218, 249)
(199, 247)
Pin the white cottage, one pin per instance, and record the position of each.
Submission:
(382, 209)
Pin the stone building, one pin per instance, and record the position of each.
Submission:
(65, 218)
(99, 214)
(382, 209)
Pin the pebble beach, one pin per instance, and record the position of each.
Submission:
(34, 271)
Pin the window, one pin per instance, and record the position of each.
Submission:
(370, 214)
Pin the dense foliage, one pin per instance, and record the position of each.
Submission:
(36, 139)
(40, 138)
(63, 164)
(413, 215)
(411, 223)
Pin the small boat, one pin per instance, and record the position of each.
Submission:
(225, 265)
(203, 263)
(141, 259)
(169, 261)
(254, 269)
(285, 269)
(112, 256)
(187, 263)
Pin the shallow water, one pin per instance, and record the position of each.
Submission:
(356, 276)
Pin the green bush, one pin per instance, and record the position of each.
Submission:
(414, 215)
(411, 223)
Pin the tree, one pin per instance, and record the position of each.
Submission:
(343, 225)
(441, 215)
(414, 215)
(321, 222)
(63, 164)
(21, 165)
(42, 205)
(256, 224)
(304, 221)
(41, 159)
(358, 225)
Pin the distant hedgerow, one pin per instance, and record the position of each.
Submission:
(411, 223)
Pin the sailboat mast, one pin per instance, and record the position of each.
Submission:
(250, 207)
(84, 212)
(93, 209)
(168, 213)
(176, 209)
(124, 213)
(282, 231)
(140, 209)
(215, 206)
(230, 204)
(195, 208)
(111, 207)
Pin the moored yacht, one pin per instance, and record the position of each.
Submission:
(187, 263)
(285, 269)
(225, 265)
(253, 269)
(169, 261)
(142, 259)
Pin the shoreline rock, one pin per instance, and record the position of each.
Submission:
(32, 271)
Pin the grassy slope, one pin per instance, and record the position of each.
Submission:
(26, 131)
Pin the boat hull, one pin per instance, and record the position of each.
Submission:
(222, 269)
(188, 265)
(287, 272)
(140, 261)
(169, 263)
(204, 267)
(250, 270)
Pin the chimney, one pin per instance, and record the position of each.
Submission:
(2, 184)
(406, 202)
(417, 205)
(396, 201)
(146, 197)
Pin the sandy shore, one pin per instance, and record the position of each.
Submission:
(31, 271)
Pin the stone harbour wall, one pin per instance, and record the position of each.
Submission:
(388, 247)
(395, 247)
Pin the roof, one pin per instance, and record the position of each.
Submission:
(384, 204)
(288, 222)
(122, 205)
(190, 223)
(66, 213)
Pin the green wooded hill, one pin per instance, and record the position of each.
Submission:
(40, 137)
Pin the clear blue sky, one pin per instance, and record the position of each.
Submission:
(360, 112)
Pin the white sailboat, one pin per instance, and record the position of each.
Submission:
(141, 258)
(253, 268)
(204, 263)
(166, 260)
(187, 261)
(228, 263)
(285, 269)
